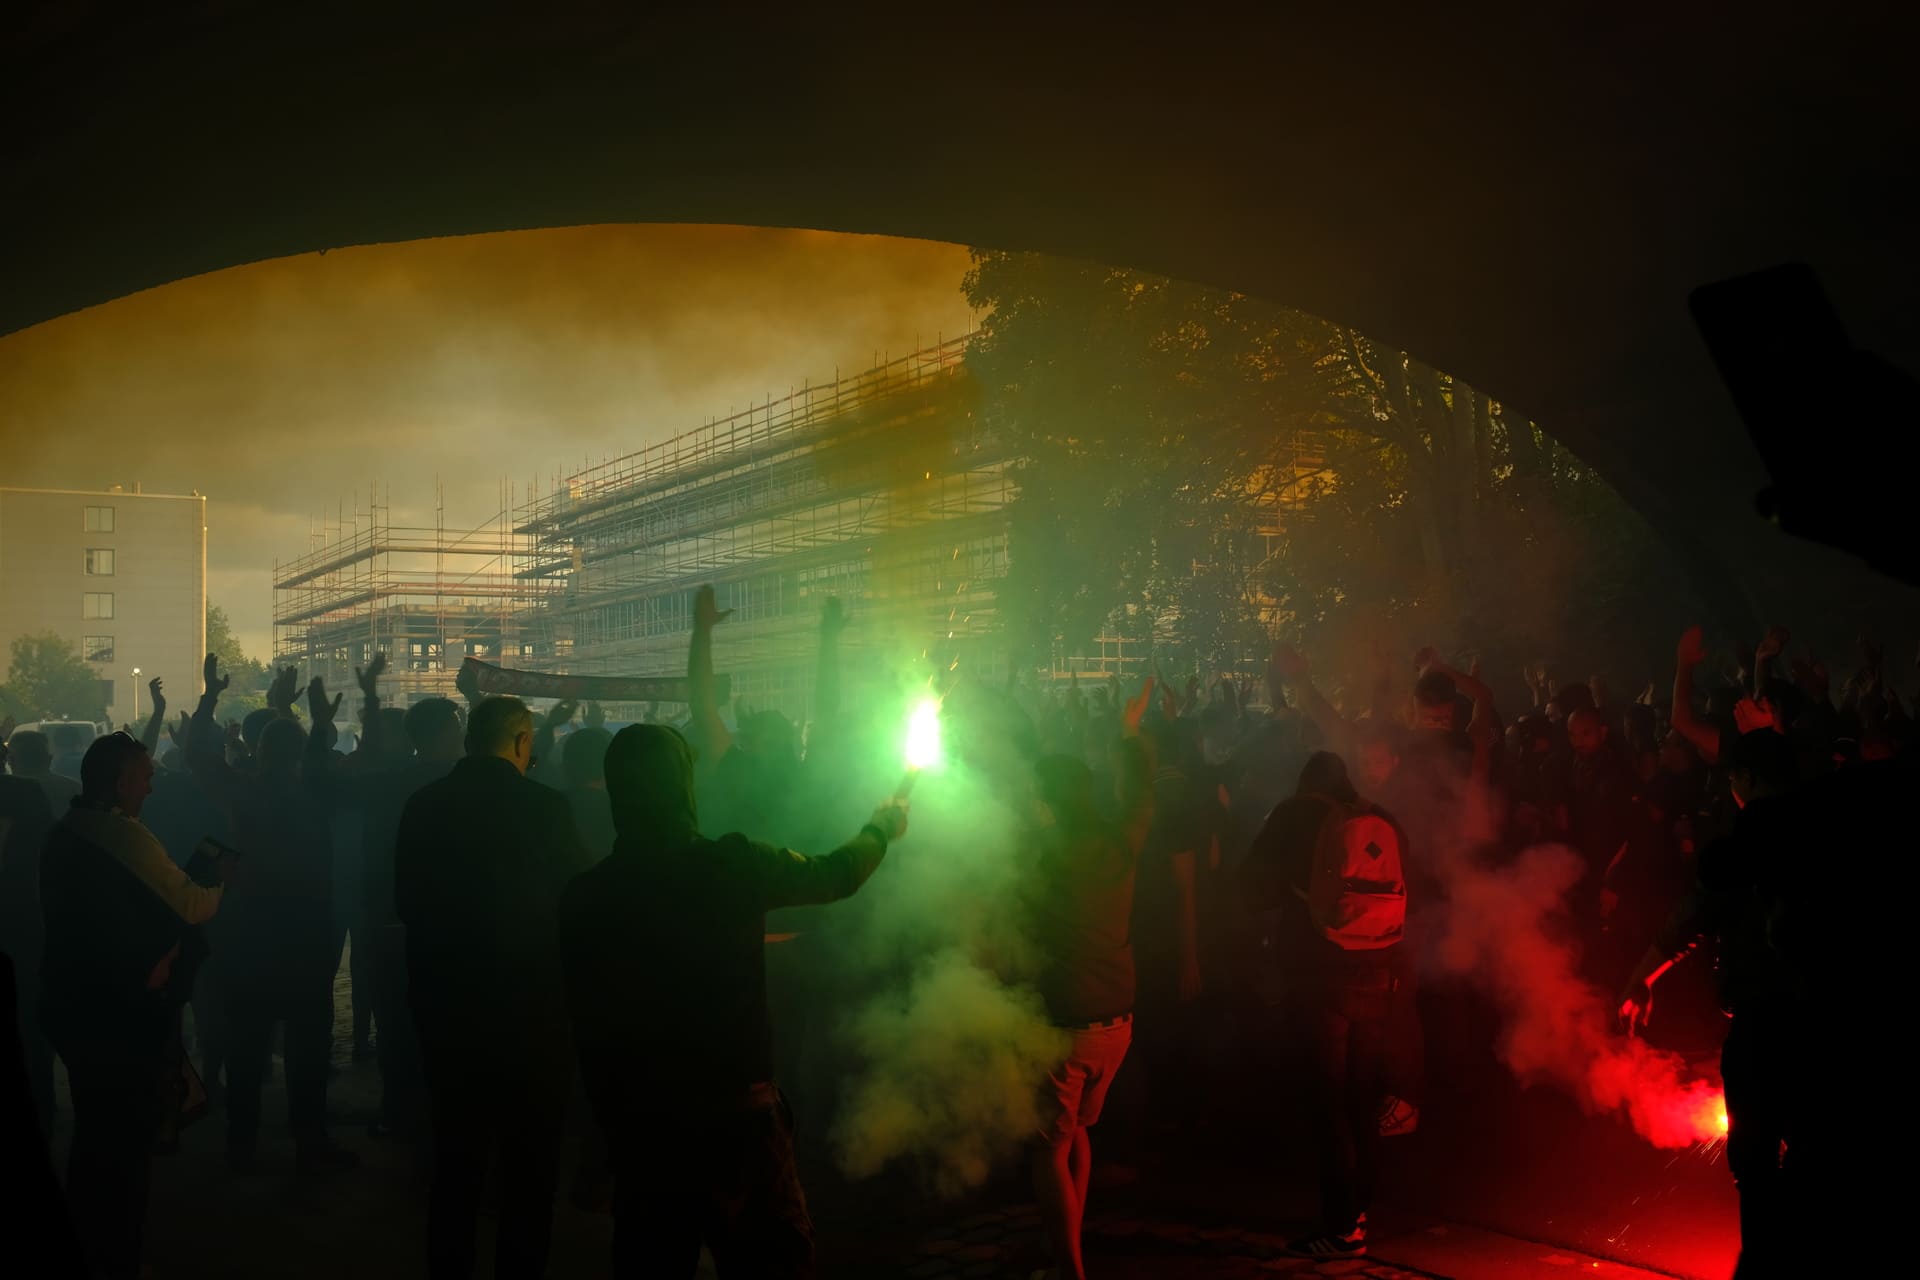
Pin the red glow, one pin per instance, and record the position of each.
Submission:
(1723, 1117)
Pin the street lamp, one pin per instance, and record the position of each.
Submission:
(136, 695)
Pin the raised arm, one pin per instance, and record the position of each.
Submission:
(544, 731)
(1288, 666)
(1704, 737)
(150, 736)
(206, 745)
(1484, 727)
(789, 879)
(316, 763)
(700, 693)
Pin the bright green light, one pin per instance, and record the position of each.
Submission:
(923, 735)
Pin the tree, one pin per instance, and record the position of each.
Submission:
(47, 680)
(1198, 467)
(249, 675)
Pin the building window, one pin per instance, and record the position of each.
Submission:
(96, 604)
(97, 519)
(99, 562)
(97, 648)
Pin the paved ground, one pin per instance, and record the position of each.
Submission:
(1523, 1163)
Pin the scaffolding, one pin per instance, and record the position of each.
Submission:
(883, 488)
(425, 596)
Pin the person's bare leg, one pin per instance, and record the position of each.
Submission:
(1059, 1202)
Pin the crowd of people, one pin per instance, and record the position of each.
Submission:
(1201, 859)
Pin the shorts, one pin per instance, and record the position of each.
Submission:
(1077, 1089)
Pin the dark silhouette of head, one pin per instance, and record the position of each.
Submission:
(584, 753)
(1379, 758)
(1325, 774)
(282, 743)
(254, 726)
(502, 726)
(117, 773)
(434, 727)
(1587, 732)
(31, 753)
(649, 776)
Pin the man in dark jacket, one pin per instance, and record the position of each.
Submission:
(667, 987)
(479, 863)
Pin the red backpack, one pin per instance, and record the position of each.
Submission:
(1358, 894)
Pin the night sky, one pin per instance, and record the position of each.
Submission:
(283, 388)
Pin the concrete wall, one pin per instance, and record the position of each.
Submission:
(158, 584)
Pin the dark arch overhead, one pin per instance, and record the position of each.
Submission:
(1522, 195)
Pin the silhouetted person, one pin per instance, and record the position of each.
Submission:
(1794, 962)
(1332, 864)
(119, 930)
(479, 862)
(664, 946)
(30, 755)
(25, 816)
(436, 730)
(1081, 919)
(277, 953)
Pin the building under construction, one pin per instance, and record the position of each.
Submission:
(425, 596)
(883, 488)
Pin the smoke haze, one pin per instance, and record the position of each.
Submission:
(1498, 929)
(284, 388)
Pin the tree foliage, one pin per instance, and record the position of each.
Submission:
(48, 680)
(1199, 468)
(248, 674)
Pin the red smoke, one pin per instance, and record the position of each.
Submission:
(1557, 1027)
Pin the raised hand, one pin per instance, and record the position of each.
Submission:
(318, 707)
(706, 609)
(1426, 659)
(210, 678)
(467, 681)
(1756, 713)
(596, 716)
(159, 698)
(178, 730)
(562, 713)
(891, 818)
(1693, 647)
(1636, 1006)
(285, 690)
(368, 677)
